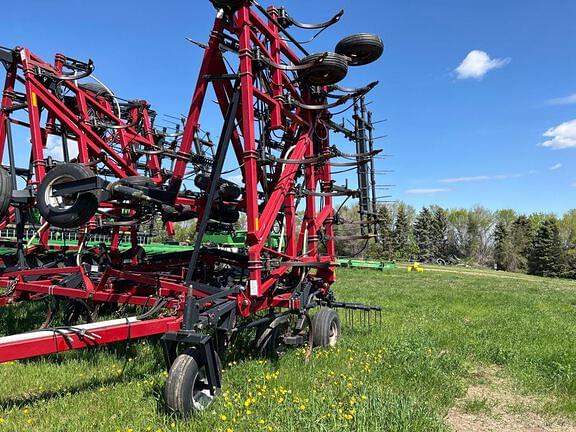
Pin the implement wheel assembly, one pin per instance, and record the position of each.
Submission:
(5, 191)
(326, 328)
(228, 4)
(325, 68)
(66, 211)
(187, 389)
(361, 48)
(269, 338)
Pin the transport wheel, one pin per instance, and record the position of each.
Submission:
(326, 328)
(95, 87)
(328, 68)
(228, 4)
(5, 191)
(67, 211)
(362, 48)
(187, 388)
(137, 182)
(269, 341)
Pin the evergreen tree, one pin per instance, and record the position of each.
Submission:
(504, 254)
(423, 233)
(401, 233)
(386, 235)
(546, 255)
(522, 238)
(439, 233)
(472, 237)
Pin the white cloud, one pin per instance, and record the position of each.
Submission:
(477, 64)
(556, 167)
(566, 100)
(480, 178)
(562, 136)
(430, 191)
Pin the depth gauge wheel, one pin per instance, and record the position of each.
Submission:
(187, 389)
(228, 4)
(326, 68)
(66, 211)
(362, 48)
(269, 341)
(326, 328)
(5, 191)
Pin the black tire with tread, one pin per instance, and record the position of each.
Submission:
(5, 191)
(181, 379)
(267, 336)
(322, 324)
(81, 211)
(95, 87)
(228, 4)
(361, 48)
(327, 68)
(137, 182)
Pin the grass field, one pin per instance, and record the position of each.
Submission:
(455, 350)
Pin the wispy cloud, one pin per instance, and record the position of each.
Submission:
(556, 167)
(480, 178)
(426, 191)
(566, 100)
(477, 64)
(562, 136)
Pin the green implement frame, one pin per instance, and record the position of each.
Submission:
(365, 264)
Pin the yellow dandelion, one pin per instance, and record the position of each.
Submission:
(223, 417)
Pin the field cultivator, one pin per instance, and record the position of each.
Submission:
(96, 165)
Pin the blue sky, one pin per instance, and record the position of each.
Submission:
(454, 142)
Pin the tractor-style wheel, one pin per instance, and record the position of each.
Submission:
(137, 182)
(96, 88)
(361, 49)
(228, 4)
(187, 389)
(66, 211)
(326, 68)
(5, 191)
(269, 341)
(326, 328)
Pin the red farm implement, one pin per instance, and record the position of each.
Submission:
(98, 166)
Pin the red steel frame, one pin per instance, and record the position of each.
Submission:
(301, 239)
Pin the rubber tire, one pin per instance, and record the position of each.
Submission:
(96, 88)
(5, 191)
(137, 182)
(328, 69)
(228, 4)
(267, 337)
(181, 378)
(322, 324)
(361, 48)
(83, 209)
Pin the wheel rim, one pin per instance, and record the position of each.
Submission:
(333, 334)
(201, 396)
(62, 202)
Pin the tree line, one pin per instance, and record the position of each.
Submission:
(539, 243)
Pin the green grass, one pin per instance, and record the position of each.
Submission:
(403, 376)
